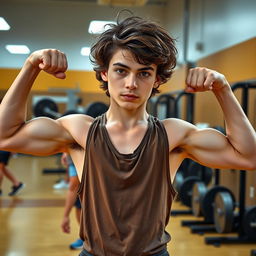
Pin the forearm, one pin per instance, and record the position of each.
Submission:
(13, 106)
(240, 132)
(70, 200)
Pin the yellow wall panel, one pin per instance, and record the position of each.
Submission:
(85, 80)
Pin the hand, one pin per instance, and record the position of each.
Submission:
(204, 79)
(51, 61)
(65, 225)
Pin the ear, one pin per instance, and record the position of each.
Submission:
(157, 82)
(104, 76)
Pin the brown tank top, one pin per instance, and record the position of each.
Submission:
(126, 198)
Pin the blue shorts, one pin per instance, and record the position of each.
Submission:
(164, 252)
(72, 170)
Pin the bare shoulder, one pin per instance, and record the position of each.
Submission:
(177, 130)
(78, 126)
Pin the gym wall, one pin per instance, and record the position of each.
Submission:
(84, 80)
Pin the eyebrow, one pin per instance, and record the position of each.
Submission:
(125, 66)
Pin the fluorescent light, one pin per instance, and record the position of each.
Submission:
(3, 24)
(85, 51)
(99, 26)
(17, 49)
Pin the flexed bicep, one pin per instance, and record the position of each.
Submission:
(212, 148)
(40, 136)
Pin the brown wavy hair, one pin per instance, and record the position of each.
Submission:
(146, 40)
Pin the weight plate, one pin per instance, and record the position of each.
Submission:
(223, 212)
(203, 172)
(71, 112)
(186, 190)
(208, 201)
(198, 192)
(249, 223)
(178, 181)
(96, 109)
(40, 109)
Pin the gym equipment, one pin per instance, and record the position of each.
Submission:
(193, 173)
(246, 217)
(163, 107)
(224, 206)
(96, 109)
(47, 107)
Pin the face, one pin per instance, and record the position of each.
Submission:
(129, 83)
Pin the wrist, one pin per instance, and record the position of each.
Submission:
(225, 89)
(29, 65)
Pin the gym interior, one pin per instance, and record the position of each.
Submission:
(215, 210)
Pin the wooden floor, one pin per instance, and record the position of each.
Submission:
(30, 222)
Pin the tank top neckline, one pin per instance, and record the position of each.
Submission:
(114, 149)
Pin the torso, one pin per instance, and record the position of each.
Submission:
(125, 141)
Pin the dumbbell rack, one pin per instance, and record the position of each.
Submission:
(241, 237)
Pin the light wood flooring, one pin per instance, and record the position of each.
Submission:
(30, 222)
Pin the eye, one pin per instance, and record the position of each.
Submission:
(120, 71)
(144, 74)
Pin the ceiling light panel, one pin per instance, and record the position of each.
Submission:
(3, 24)
(17, 49)
(85, 51)
(99, 26)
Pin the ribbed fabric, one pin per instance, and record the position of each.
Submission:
(126, 198)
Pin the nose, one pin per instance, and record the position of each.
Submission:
(131, 82)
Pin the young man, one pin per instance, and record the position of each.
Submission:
(126, 159)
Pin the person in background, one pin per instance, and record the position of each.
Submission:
(71, 200)
(5, 172)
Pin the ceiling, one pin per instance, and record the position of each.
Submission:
(61, 24)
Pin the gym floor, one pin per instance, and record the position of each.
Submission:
(30, 222)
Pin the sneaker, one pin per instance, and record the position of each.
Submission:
(16, 189)
(61, 185)
(78, 244)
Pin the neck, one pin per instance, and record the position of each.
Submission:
(127, 118)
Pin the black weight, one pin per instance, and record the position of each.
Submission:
(249, 223)
(208, 201)
(178, 181)
(223, 212)
(186, 190)
(203, 172)
(41, 107)
(253, 252)
(71, 112)
(198, 192)
(96, 109)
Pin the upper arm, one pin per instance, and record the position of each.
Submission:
(39, 136)
(206, 146)
(211, 148)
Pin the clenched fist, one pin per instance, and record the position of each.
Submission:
(51, 61)
(204, 79)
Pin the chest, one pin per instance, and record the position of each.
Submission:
(126, 141)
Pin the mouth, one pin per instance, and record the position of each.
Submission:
(129, 96)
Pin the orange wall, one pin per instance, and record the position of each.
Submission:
(237, 63)
(85, 80)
